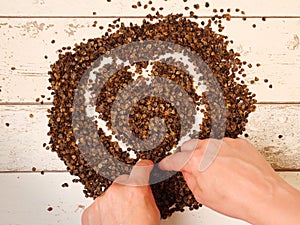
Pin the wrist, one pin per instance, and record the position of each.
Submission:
(280, 206)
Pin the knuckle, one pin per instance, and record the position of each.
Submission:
(234, 140)
(242, 141)
(228, 139)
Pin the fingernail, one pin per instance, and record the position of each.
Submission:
(144, 162)
(189, 145)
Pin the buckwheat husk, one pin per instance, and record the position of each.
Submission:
(172, 194)
(65, 185)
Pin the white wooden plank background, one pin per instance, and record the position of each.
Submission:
(25, 198)
(123, 8)
(21, 142)
(273, 44)
(26, 30)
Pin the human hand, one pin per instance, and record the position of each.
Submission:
(239, 183)
(128, 201)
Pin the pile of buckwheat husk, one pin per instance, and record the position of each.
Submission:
(172, 194)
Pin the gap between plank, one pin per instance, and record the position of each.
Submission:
(137, 17)
(37, 171)
(50, 103)
(24, 103)
(65, 171)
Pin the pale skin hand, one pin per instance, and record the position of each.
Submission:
(128, 201)
(239, 183)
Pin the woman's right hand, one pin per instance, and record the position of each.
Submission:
(239, 183)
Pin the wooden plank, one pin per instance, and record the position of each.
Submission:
(21, 142)
(293, 178)
(265, 128)
(25, 42)
(26, 197)
(122, 8)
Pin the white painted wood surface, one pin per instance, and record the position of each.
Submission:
(25, 198)
(26, 30)
(123, 8)
(21, 142)
(273, 44)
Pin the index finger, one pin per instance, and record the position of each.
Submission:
(207, 151)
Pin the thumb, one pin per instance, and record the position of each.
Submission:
(140, 173)
(175, 162)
